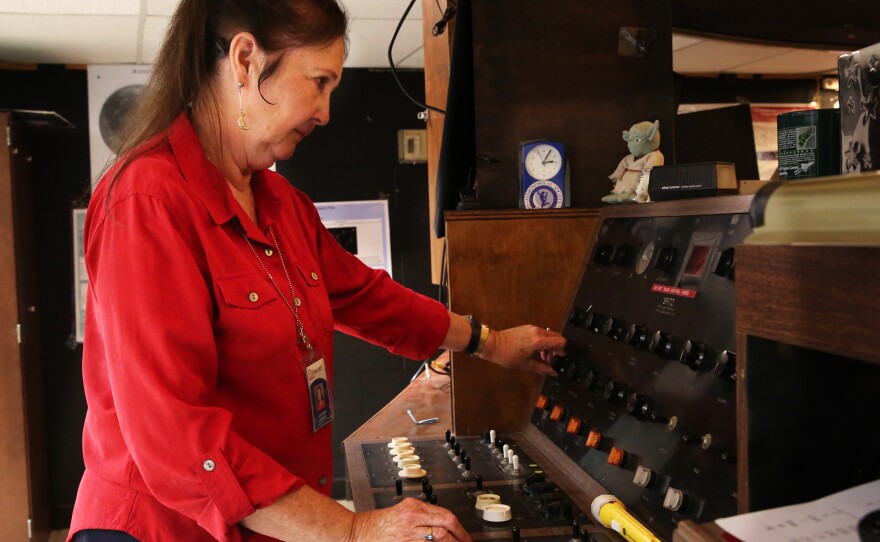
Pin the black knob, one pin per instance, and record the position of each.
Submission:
(725, 365)
(697, 357)
(451, 440)
(398, 487)
(623, 256)
(515, 533)
(666, 258)
(642, 337)
(575, 529)
(601, 324)
(429, 490)
(869, 527)
(603, 254)
(592, 381)
(614, 392)
(457, 448)
(462, 454)
(560, 364)
(432, 499)
(640, 407)
(585, 536)
(578, 316)
(448, 436)
(467, 463)
(425, 484)
(621, 331)
(479, 480)
(485, 437)
(665, 345)
(499, 443)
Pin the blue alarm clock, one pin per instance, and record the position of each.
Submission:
(543, 175)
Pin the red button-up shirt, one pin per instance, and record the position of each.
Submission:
(198, 407)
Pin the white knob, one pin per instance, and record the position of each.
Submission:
(504, 451)
(492, 435)
(515, 461)
(510, 457)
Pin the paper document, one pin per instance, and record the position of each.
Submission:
(833, 518)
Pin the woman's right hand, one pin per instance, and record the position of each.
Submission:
(410, 520)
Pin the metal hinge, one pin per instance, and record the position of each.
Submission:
(18, 337)
(30, 529)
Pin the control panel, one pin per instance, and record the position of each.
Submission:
(493, 487)
(645, 400)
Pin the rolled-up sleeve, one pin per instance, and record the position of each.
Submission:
(153, 308)
(369, 304)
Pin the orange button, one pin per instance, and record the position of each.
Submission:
(542, 403)
(594, 439)
(557, 413)
(616, 457)
(574, 426)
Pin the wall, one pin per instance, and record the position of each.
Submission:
(353, 158)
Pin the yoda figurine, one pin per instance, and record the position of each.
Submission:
(631, 176)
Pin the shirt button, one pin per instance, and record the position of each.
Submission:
(297, 301)
(253, 297)
(314, 276)
(269, 252)
(323, 481)
(208, 465)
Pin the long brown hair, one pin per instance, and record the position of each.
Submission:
(198, 37)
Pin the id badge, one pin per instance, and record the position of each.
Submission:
(319, 389)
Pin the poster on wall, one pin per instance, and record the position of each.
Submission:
(112, 89)
(362, 228)
(80, 278)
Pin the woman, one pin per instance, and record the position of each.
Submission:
(214, 293)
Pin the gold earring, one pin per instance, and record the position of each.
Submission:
(241, 123)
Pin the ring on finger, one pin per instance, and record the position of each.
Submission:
(430, 534)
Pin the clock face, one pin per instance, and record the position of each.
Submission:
(543, 162)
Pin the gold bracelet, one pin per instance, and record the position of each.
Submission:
(484, 336)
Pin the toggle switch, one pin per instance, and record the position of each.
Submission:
(543, 402)
(398, 489)
(616, 457)
(558, 413)
(621, 331)
(643, 476)
(504, 450)
(594, 439)
(674, 500)
(574, 426)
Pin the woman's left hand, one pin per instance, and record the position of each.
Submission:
(524, 348)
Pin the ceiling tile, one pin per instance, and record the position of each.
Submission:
(72, 7)
(68, 39)
(162, 7)
(370, 39)
(154, 33)
(382, 9)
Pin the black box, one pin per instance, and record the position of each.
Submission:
(859, 74)
(698, 180)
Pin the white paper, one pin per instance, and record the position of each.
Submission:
(365, 225)
(833, 518)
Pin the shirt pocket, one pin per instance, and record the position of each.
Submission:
(316, 295)
(247, 291)
(252, 324)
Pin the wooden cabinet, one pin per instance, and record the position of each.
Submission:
(23, 487)
(507, 268)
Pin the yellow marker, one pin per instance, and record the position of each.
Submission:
(612, 514)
